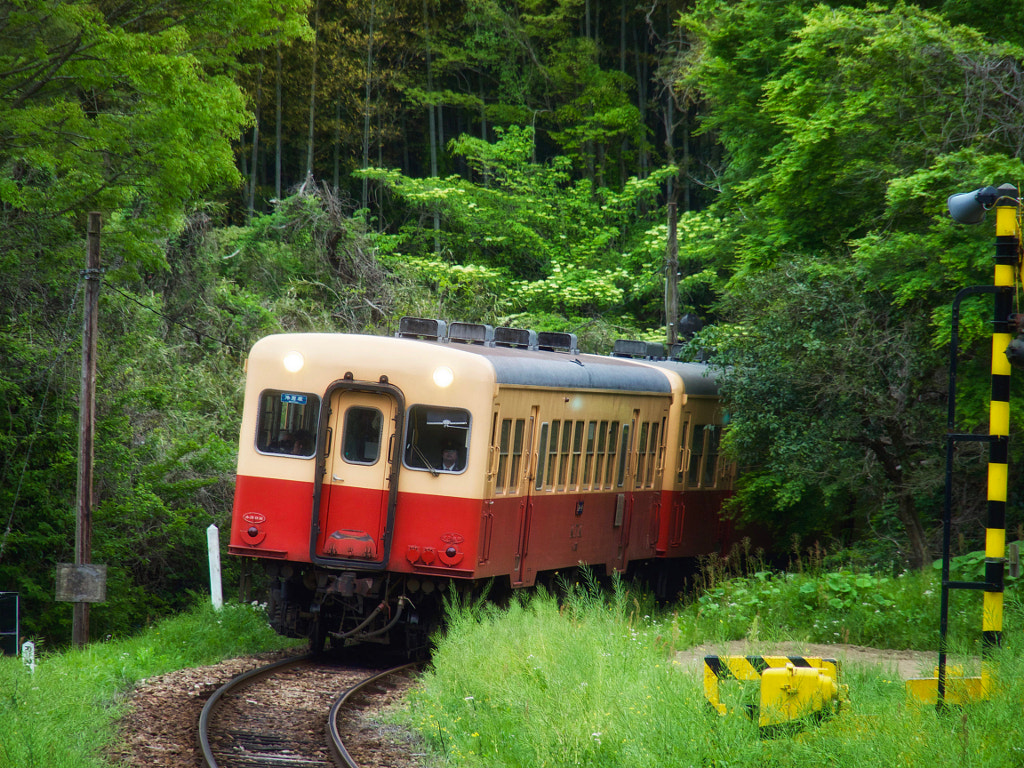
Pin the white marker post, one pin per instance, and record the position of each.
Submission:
(213, 543)
(28, 655)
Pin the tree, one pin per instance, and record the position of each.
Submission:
(562, 245)
(129, 109)
(844, 132)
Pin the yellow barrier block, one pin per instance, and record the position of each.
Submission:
(791, 687)
(959, 690)
(790, 693)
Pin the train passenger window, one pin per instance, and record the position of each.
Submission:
(588, 462)
(549, 482)
(287, 423)
(613, 443)
(641, 458)
(696, 453)
(436, 439)
(577, 452)
(517, 455)
(563, 459)
(503, 446)
(602, 435)
(361, 441)
(542, 454)
(623, 456)
(652, 454)
(711, 458)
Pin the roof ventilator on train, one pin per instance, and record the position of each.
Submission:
(471, 333)
(515, 338)
(486, 335)
(421, 328)
(558, 342)
(639, 350)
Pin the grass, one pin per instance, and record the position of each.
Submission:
(591, 680)
(64, 713)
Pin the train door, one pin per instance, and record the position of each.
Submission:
(358, 486)
(683, 461)
(624, 483)
(522, 475)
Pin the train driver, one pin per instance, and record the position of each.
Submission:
(450, 459)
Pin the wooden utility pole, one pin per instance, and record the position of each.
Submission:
(86, 423)
(672, 277)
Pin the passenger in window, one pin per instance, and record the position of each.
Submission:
(450, 459)
(302, 443)
(284, 443)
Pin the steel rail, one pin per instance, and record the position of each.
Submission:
(334, 742)
(233, 684)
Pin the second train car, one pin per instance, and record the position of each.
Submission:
(375, 471)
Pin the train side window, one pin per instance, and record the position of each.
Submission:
(652, 454)
(542, 454)
(641, 454)
(588, 461)
(613, 444)
(433, 433)
(623, 456)
(696, 453)
(577, 452)
(287, 423)
(711, 458)
(503, 445)
(602, 444)
(517, 455)
(563, 458)
(552, 456)
(361, 443)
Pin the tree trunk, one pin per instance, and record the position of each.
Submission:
(366, 105)
(431, 120)
(277, 137)
(255, 144)
(906, 508)
(312, 96)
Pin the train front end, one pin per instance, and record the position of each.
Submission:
(356, 486)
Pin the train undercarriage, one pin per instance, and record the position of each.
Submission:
(339, 609)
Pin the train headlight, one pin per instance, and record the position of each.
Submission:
(293, 362)
(443, 376)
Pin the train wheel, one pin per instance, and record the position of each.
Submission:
(318, 636)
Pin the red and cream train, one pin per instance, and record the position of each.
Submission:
(374, 471)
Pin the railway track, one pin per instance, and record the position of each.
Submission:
(287, 714)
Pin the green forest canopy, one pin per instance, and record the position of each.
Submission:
(288, 165)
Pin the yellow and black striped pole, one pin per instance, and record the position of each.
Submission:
(970, 208)
(1007, 245)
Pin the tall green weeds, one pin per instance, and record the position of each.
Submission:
(64, 713)
(594, 680)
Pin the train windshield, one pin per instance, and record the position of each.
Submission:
(437, 439)
(286, 424)
(362, 435)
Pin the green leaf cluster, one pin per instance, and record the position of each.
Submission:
(560, 244)
(845, 128)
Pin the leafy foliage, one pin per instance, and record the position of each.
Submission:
(860, 121)
(557, 242)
